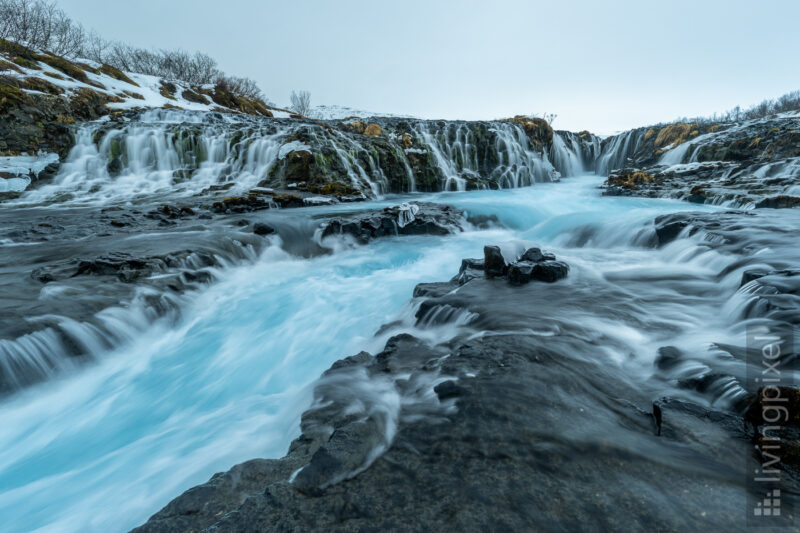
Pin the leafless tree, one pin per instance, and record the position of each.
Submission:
(301, 102)
(41, 25)
(242, 87)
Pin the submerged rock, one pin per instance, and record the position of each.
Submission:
(259, 228)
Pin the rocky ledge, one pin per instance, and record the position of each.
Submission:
(755, 164)
(505, 430)
(74, 268)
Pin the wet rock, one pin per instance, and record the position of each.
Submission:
(520, 272)
(470, 269)
(750, 275)
(448, 389)
(494, 263)
(471, 264)
(484, 221)
(668, 357)
(171, 212)
(697, 426)
(668, 228)
(114, 167)
(48, 173)
(428, 219)
(433, 290)
(199, 276)
(535, 255)
(778, 405)
(773, 417)
(260, 228)
(550, 271)
(779, 202)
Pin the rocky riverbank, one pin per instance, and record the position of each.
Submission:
(513, 429)
(752, 164)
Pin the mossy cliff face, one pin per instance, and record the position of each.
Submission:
(32, 122)
(754, 163)
(41, 122)
(537, 129)
(393, 155)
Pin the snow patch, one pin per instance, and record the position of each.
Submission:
(294, 146)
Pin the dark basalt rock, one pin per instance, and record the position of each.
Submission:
(484, 221)
(470, 269)
(750, 275)
(775, 295)
(779, 202)
(496, 458)
(260, 228)
(668, 357)
(430, 219)
(448, 389)
(520, 272)
(550, 271)
(535, 255)
(533, 265)
(433, 290)
(668, 229)
(127, 268)
(494, 264)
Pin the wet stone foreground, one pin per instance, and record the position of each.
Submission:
(506, 431)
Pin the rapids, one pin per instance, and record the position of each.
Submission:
(102, 448)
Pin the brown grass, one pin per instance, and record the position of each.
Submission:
(674, 134)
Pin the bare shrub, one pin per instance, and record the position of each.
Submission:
(300, 102)
(41, 25)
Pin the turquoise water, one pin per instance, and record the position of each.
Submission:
(104, 448)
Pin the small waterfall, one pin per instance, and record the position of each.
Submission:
(479, 154)
(572, 154)
(62, 344)
(617, 150)
(157, 155)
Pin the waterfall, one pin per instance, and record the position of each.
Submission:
(573, 154)
(617, 150)
(476, 155)
(183, 153)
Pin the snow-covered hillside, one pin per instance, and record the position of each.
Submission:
(338, 112)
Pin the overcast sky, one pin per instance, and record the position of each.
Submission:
(599, 65)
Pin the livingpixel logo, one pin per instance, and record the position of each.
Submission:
(771, 365)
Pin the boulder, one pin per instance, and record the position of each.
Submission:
(263, 229)
(520, 272)
(550, 271)
(428, 219)
(494, 264)
(470, 269)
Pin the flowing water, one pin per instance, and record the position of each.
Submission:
(103, 448)
(183, 153)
